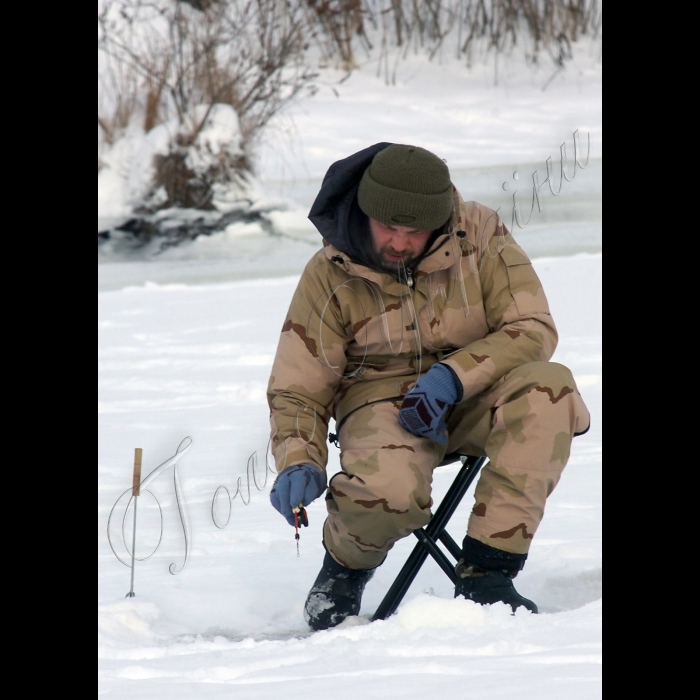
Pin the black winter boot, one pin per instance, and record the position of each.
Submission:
(486, 575)
(335, 595)
(486, 587)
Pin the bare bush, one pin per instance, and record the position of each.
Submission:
(177, 55)
(176, 183)
(201, 78)
(493, 25)
(335, 25)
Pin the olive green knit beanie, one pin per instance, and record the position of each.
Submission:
(407, 186)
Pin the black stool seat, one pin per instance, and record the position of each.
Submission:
(431, 534)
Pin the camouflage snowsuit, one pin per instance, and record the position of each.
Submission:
(354, 342)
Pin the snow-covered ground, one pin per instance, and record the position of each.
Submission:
(180, 360)
(186, 341)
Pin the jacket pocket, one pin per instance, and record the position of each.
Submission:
(525, 285)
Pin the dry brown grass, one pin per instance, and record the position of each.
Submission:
(343, 28)
(244, 53)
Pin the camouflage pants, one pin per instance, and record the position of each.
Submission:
(524, 424)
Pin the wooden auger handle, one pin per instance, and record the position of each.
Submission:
(136, 490)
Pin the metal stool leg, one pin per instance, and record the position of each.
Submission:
(427, 537)
(450, 545)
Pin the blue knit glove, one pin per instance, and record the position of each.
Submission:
(424, 408)
(295, 486)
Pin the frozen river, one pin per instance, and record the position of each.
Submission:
(567, 224)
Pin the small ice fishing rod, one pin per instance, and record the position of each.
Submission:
(300, 518)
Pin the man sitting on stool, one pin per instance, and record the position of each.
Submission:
(422, 329)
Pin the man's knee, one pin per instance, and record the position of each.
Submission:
(556, 389)
(545, 374)
(550, 388)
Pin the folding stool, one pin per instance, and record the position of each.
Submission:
(429, 536)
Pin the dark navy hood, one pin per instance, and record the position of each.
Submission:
(336, 213)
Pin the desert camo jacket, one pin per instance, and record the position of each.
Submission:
(354, 336)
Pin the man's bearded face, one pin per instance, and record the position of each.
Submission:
(397, 245)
